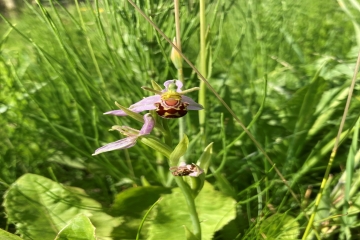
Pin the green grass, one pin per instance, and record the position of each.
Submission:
(61, 68)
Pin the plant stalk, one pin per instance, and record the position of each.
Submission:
(202, 68)
(190, 201)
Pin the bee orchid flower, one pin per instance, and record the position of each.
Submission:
(171, 102)
(132, 135)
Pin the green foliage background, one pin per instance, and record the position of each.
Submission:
(61, 70)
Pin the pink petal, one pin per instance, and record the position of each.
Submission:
(147, 100)
(147, 103)
(120, 144)
(192, 104)
(196, 172)
(148, 124)
(116, 113)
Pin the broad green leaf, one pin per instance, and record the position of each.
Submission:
(215, 210)
(40, 208)
(145, 218)
(132, 205)
(179, 151)
(280, 226)
(133, 201)
(4, 235)
(79, 228)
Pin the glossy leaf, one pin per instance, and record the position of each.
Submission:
(79, 228)
(215, 211)
(132, 204)
(33, 202)
(4, 235)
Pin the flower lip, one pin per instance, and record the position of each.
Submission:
(173, 91)
(132, 134)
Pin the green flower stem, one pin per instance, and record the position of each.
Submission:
(160, 168)
(167, 133)
(202, 68)
(190, 201)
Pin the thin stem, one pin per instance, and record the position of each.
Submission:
(129, 163)
(333, 153)
(202, 92)
(190, 201)
(160, 168)
(167, 133)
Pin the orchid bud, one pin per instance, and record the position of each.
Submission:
(175, 56)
